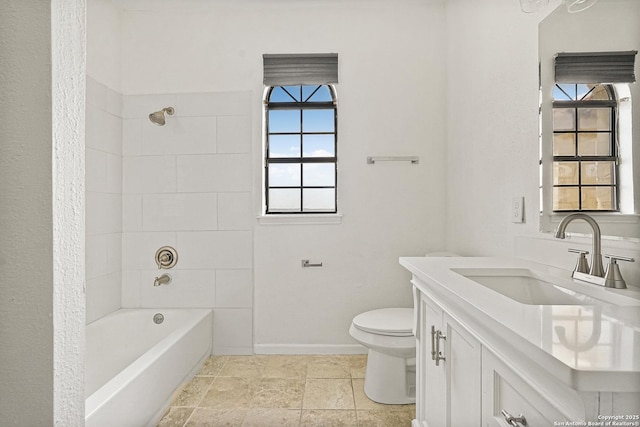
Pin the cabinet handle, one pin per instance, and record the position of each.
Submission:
(438, 353)
(433, 342)
(518, 421)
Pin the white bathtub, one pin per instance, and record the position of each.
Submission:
(133, 365)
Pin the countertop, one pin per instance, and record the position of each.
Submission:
(594, 345)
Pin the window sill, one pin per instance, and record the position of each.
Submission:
(302, 219)
(603, 217)
(613, 226)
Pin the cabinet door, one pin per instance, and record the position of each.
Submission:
(422, 353)
(431, 406)
(503, 389)
(463, 375)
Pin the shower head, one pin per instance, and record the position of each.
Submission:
(157, 118)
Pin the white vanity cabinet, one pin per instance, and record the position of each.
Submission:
(504, 390)
(448, 369)
(463, 384)
(485, 360)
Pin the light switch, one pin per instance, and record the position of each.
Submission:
(517, 209)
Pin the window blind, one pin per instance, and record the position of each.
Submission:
(596, 67)
(300, 69)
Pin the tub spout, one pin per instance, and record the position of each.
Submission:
(165, 279)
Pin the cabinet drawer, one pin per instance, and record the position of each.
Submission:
(502, 390)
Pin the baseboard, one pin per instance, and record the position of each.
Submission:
(309, 349)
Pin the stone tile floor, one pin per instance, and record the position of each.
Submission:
(266, 391)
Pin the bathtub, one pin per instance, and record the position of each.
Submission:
(133, 365)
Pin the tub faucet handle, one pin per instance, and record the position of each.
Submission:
(166, 257)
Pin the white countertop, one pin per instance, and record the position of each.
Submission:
(596, 341)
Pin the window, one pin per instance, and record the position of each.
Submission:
(300, 149)
(585, 154)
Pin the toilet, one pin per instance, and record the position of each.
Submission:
(390, 377)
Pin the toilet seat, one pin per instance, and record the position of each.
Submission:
(395, 322)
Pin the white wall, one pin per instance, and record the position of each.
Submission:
(466, 101)
(26, 354)
(493, 137)
(390, 95)
(492, 123)
(390, 102)
(104, 35)
(68, 100)
(41, 213)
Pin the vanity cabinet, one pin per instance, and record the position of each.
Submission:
(486, 359)
(504, 390)
(448, 369)
(461, 383)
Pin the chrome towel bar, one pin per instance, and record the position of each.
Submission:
(413, 159)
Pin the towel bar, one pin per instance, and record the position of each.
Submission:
(373, 159)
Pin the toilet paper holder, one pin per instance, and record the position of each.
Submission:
(306, 263)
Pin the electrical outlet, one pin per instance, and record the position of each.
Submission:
(517, 209)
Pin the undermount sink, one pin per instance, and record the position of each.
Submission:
(525, 286)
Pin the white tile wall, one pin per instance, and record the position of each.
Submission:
(188, 184)
(216, 249)
(214, 104)
(103, 295)
(179, 211)
(180, 135)
(132, 137)
(140, 106)
(103, 129)
(188, 288)
(234, 134)
(214, 172)
(149, 174)
(103, 213)
(139, 248)
(235, 211)
(131, 212)
(234, 288)
(103, 200)
(232, 331)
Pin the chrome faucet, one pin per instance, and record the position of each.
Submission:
(165, 279)
(596, 256)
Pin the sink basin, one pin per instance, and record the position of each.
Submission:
(525, 286)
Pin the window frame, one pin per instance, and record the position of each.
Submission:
(612, 105)
(302, 105)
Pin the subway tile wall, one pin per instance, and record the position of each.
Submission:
(186, 184)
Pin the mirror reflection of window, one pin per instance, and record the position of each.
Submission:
(585, 154)
(577, 48)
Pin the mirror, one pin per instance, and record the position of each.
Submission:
(609, 25)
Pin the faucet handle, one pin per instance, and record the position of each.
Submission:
(614, 258)
(578, 251)
(613, 277)
(582, 266)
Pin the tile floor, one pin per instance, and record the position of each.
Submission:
(265, 391)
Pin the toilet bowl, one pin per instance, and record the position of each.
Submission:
(391, 363)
